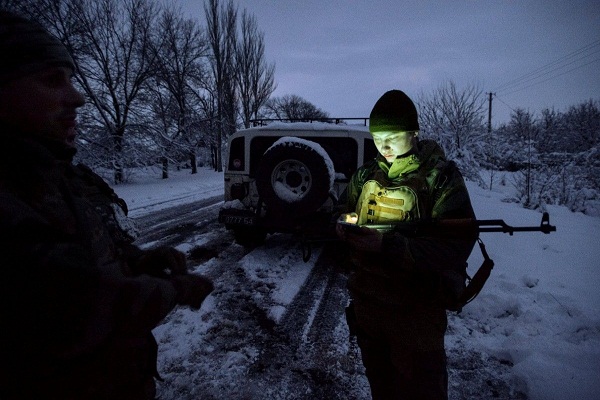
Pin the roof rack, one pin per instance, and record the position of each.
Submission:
(336, 121)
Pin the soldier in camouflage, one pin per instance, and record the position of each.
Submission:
(78, 299)
(402, 286)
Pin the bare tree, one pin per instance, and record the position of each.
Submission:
(293, 107)
(114, 62)
(18, 6)
(522, 133)
(583, 123)
(454, 118)
(222, 38)
(256, 78)
(180, 50)
(552, 128)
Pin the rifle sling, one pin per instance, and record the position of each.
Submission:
(481, 276)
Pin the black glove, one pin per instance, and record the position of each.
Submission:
(192, 289)
(162, 262)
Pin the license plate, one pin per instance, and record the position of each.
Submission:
(238, 220)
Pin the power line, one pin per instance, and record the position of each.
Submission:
(551, 77)
(543, 69)
(530, 78)
(503, 102)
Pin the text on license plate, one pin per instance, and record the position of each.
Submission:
(237, 220)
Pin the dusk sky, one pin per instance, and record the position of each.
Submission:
(343, 55)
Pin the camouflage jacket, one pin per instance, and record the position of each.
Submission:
(412, 272)
(75, 320)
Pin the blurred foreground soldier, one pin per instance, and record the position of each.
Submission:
(78, 300)
(402, 286)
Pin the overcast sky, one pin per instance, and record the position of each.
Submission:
(342, 55)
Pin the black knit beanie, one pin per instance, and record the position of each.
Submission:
(26, 47)
(394, 111)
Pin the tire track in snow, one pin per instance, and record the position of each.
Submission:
(311, 342)
(175, 225)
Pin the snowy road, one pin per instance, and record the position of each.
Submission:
(274, 327)
(245, 343)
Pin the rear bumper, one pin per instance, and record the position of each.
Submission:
(310, 226)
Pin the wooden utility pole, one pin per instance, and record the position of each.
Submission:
(490, 139)
(490, 113)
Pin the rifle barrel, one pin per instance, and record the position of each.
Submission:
(498, 225)
(511, 229)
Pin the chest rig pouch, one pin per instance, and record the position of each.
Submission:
(383, 202)
(378, 204)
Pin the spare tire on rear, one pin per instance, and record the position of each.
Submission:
(295, 176)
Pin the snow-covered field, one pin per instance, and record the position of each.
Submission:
(539, 313)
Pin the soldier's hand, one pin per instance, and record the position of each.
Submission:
(363, 238)
(162, 262)
(343, 221)
(192, 289)
(359, 237)
(351, 218)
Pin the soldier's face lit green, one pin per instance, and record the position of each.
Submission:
(393, 143)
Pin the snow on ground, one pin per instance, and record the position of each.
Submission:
(539, 313)
(540, 310)
(146, 192)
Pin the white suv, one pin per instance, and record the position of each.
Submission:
(290, 177)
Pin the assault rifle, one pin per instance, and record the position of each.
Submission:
(462, 227)
(455, 226)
